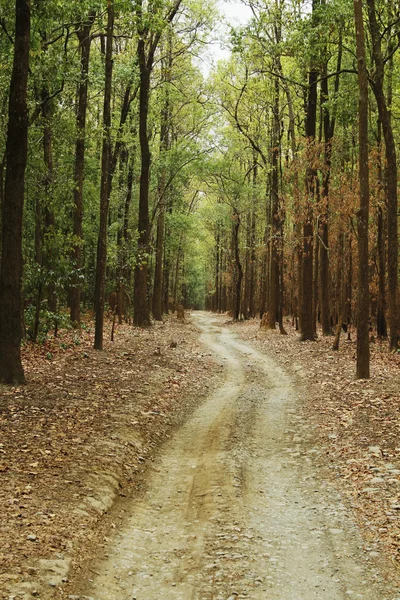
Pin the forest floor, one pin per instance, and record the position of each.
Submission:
(79, 435)
(243, 464)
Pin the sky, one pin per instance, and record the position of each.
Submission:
(235, 13)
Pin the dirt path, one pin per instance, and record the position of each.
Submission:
(233, 506)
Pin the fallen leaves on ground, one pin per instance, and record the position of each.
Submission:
(82, 431)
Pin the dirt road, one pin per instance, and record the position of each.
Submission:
(234, 507)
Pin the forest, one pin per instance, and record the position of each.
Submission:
(136, 180)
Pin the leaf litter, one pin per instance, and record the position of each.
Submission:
(80, 434)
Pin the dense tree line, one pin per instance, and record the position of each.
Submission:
(112, 105)
(267, 188)
(308, 176)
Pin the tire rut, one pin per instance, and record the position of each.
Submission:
(234, 509)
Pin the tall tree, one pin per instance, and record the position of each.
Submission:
(329, 122)
(104, 185)
(149, 33)
(377, 82)
(157, 299)
(362, 371)
(11, 370)
(85, 39)
(307, 312)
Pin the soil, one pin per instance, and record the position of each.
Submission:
(216, 484)
(78, 438)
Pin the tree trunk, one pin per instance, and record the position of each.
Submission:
(11, 370)
(329, 130)
(145, 62)
(48, 259)
(253, 263)
(74, 295)
(217, 303)
(390, 175)
(273, 288)
(362, 214)
(238, 269)
(158, 271)
(104, 186)
(381, 326)
(247, 280)
(315, 284)
(307, 313)
(157, 300)
(141, 309)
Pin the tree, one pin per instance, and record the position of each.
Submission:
(147, 45)
(363, 211)
(85, 40)
(377, 83)
(312, 192)
(11, 370)
(104, 187)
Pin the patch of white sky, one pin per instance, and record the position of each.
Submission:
(234, 13)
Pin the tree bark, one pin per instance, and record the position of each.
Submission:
(390, 174)
(381, 326)
(273, 288)
(145, 54)
(362, 371)
(157, 300)
(48, 258)
(307, 313)
(74, 294)
(11, 370)
(104, 186)
(329, 130)
(141, 309)
(238, 269)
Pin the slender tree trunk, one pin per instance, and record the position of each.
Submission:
(381, 308)
(238, 269)
(381, 326)
(253, 263)
(11, 370)
(74, 295)
(329, 129)
(104, 186)
(307, 313)
(217, 269)
(390, 175)
(247, 280)
(315, 284)
(157, 300)
(158, 271)
(146, 48)
(273, 288)
(362, 214)
(49, 217)
(141, 309)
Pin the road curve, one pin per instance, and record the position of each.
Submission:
(233, 508)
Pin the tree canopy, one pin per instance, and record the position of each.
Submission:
(161, 179)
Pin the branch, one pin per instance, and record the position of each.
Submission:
(155, 40)
(239, 126)
(4, 28)
(39, 106)
(172, 177)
